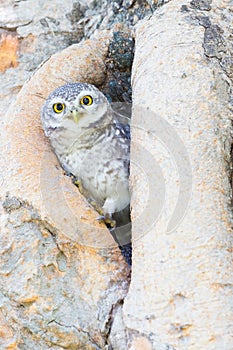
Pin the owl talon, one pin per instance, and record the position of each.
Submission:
(76, 182)
(110, 223)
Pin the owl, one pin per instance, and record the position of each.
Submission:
(93, 146)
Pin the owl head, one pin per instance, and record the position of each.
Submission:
(74, 106)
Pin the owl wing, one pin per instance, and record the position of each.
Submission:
(122, 233)
(123, 130)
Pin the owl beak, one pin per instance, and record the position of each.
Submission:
(75, 115)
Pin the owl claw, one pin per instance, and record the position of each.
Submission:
(76, 182)
(110, 223)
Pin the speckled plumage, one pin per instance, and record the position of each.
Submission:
(90, 143)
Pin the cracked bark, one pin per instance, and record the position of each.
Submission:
(182, 277)
(60, 263)
(58, 291)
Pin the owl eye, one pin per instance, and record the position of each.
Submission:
(58, 107)
(86, 100)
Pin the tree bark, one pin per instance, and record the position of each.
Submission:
(180, 294)
(63, 281)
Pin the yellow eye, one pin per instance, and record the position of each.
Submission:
(58, 107)
(86, 100)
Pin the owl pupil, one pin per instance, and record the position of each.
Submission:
(59, 106)
(86, 101)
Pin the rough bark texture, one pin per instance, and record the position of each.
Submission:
(64, 284)
(182, 253)
(63, 281)
(32, 30)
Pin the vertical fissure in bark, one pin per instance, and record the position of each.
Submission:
(217, 48)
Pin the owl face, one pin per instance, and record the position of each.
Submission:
(76, 106)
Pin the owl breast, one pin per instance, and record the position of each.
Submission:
(102, 170)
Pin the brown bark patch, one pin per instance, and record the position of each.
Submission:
(8, 51)
(141, 343)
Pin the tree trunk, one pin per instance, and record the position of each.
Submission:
(63, 281)
(180, 295)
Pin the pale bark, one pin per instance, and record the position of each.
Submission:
(63, 281)
(59, 283)
(180, 295)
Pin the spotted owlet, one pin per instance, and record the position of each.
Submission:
(91, 145)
